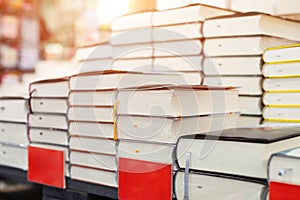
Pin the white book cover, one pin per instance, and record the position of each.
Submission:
(132, 51)
(281, 98)
(282, 84)
(91, 114)
(178, 63)
(248, 121)
(286, 53)
(13, 109)
(13, 156)
(94, 160)
(56, 121)
(92, 175)
(98, 51)
(250, 105)
(136, 36)
(240, 46)
(132, 21)
(177, 32)
(49, 136)
(50, 88)
(121, 79)
(177, 101)
(96, 145)
(191, 13)
(218, 187)
(247, 85)
(257, 24)
(92, 98)
(283, 114)
(49, 105)
(91, 129)
(136, 65)
(177, 48)
(147, 151)
(95, 65)
(281, 69)
(14, 133)
(65, 149)
(236, 65)
(168, 130)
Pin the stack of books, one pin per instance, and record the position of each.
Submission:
(233, 55)
(150, 120)
(48, 123)
(281, 85)
(13, 127)
(230, 164)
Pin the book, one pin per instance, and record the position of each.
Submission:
(137, 65)
(257, 24)
(91, 114)
(132, 21)
(242, 151)
(91, 129)
(135, 36)
(14, 109)
(216, 3)
(289, 84)
(132, 51)
(236, 65)
(280, 123)
(14, 133)
(178, 63)
(249, 121)
(92, 175)
(49, 105)
(48, 136)
(250, 105)
(284, 53)
(177, 32)
(13, 156)
(95, 145)
(168, 130)
(204, 185)
(92, 98)
(119, 79)
(177, 48)
(240, 46)
(55, 121)
(92, 52)
(190, 13)
(50, 88)
(283, 99)
(177, 101)
(283, 114)
(248, 85)
(95, 65)
(94, 160)
(281, 70)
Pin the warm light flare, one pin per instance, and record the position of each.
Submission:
(108, 9)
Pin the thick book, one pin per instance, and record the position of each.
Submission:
(135, 65)
(50, 88)
(249, 121)
(49, 105)
(247, 85)
(95, 145)
(285, 53)
(94, 160)
(120, 79)
(136, 36)
(190, 13)
(241, 151)
(236, 65)
(132, 51)
(207, 185)
(92, 98)
(281, 70)
(287, 84)
(282, 114)
(13, 156)
(95, 65)
(251, 105)
(132, 21)
(257, 24)
(48, 136)
(91, 129)
(241, 46)
(187, 47)
(56, 121)
(168, 130)
(14, 109)
(177, 101)
(97, 51)
(178, 63)
(91, 114)
(14, 133)
(92, 175)
(283, 99)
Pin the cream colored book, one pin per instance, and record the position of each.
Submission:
(281, 70)
(290, 84)
(282, 114)
(132, 51)
(135, 36)
(56, 121)
(249, 121)
(283, 99)
(135, 65)
(14, 109)
(49, 136)
(50, 88)
(49, 105)
(178, 63)
(91, 129)
(92, 98)
(250, 105)
(14, 133)
(14, 156)
(284, 53)
(91, 114)
(95, 65)
(177, 48)
(97, 51)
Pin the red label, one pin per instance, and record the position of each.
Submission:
(283, 191)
